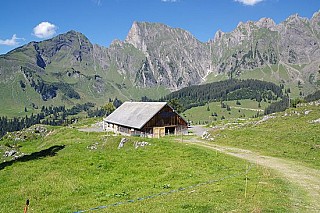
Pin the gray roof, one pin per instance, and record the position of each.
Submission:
(135, 114)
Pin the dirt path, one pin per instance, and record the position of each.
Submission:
(256, 110)
(305, 178)
(97, 127)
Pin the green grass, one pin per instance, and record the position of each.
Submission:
(15, 99)
(215, 78)
(200, 115)
(277, 74)
(291, 137)
(298, 66)
(266, 74)
(253, 74)
(78, 178)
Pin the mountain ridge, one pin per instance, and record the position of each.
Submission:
(155, 59)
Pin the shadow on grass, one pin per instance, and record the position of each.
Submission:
(52, 151)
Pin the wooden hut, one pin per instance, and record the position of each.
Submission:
(149, 119)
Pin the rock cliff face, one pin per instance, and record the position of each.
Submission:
(295, 41)
(299, 40)
(156, 55)
(249, 46)
(173, 57)
(252, 45)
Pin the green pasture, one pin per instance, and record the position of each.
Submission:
(66, 170)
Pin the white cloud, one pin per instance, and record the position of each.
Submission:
(169, 0)
(249, 2)
(97, 2)
(11, 42)
(44, 30)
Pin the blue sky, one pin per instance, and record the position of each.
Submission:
(23, 21)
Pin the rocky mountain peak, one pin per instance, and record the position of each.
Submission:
(74, 37)
(262, 23)
(155, 54)
(143, 34)
(218, 35)
(116, 42)
(71, 44)
(295, 19)
(316, 16)
(169, 55)
(266, 23)
(315, 20)
(137, 34)
(134, 33)
(72, 33)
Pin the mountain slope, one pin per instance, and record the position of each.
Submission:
(287, 53)
(155, 59)
(174, 58)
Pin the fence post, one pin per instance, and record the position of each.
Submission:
(26, 207)
(245, 190)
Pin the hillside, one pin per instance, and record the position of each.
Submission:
(61, 71)
(286, 53)
(155, 59)
(226, 90)
(293, 134)
(65, 170)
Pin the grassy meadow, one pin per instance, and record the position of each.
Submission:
(15, 99)
(213, 112)
(293, 135)
(90, 171)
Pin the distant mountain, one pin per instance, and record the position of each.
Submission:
(174, 58)
(155, 59)
(289, 50)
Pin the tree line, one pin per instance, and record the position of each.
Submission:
(55, 116)
(52, 115)
(313, 97)
(232, 89)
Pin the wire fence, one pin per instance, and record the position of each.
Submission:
(168, 192)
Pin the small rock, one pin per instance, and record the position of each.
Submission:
(307, 112)
(10, 153)
(140, 144)
(93, 146)
(315, 121)
(122, 142)
(207, 136)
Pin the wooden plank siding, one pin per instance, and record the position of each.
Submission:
(165, 117)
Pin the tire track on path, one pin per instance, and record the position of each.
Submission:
(302, 177)
(308, 179)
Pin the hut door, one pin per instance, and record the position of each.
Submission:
(159, 132)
